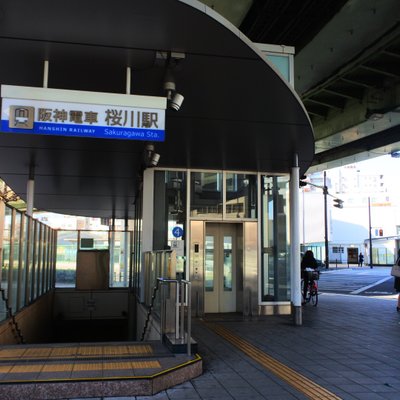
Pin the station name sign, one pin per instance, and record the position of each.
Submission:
(59, 112)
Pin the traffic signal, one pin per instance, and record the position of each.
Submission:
(338, 203)
(380, 232)
(302, 181)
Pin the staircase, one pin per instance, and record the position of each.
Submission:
(60, 371)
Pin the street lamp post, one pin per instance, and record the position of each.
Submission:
(370, 234)
(325, 191)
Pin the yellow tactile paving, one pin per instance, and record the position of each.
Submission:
(26, 368)
(88, 367)
(4, 369)
(57, 367)
(64, 351)
(145, 364)
(140, 349)
(90, 351)
(117, 365)
(79, 367)
(37, 352)
(11, 353)
(115, 350)
(300, 382)
(76, 351)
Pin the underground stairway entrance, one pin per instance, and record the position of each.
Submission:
(62, 357)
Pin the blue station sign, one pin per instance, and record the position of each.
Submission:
(84, 114)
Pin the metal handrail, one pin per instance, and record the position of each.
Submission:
(12, 317)
(153, 297)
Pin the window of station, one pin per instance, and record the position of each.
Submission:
(170, 214)
(67, 247)
(241, 196)
(275, 273)
(282, 63)
(206, 195)
(119, 258)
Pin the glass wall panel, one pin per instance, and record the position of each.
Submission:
(228, 263)
(67, 246)
(44, 259)
(170, 214)
(275, 274)
(137, 245)
(206, 194)
(5, 259)
(209, 264)
(24, 265)
(120, 260)
(21, 262)
(241, 196)
(38, 258)
(15, 262)
(31, 265)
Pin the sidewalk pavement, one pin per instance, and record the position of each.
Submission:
(349, 345)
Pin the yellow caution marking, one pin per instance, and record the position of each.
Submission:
(90, 351)
(115, 350)
(4, 369)
(117, 365)
(11, 353)
(63, 352)
(21, 369)
(37, 352)
(57, 368)
(88, 367)
(140, 349)
(79, 367)
(300, 382)
(145, 364)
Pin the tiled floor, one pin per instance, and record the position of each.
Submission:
(349, 345)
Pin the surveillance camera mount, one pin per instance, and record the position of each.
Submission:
(174, 98)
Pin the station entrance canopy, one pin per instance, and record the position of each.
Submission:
(239, 114)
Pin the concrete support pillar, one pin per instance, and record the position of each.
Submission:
(30, 191)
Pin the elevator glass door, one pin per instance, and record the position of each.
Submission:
(220, 268)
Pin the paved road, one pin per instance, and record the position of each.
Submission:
(364, 281)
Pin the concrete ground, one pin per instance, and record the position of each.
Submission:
(348, 345)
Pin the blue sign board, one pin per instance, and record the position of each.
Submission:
(39, 111)
(177, 231)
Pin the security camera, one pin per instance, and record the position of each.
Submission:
(176, 101)
(154, 159)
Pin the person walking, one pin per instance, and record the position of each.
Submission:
(360, 260)
(308, 261)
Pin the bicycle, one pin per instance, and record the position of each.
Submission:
(312, 287)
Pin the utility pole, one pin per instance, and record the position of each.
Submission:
(325, 191)
(370, 235)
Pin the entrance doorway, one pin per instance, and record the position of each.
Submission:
(220, 265)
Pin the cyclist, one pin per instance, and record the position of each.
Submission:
(308, 262)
